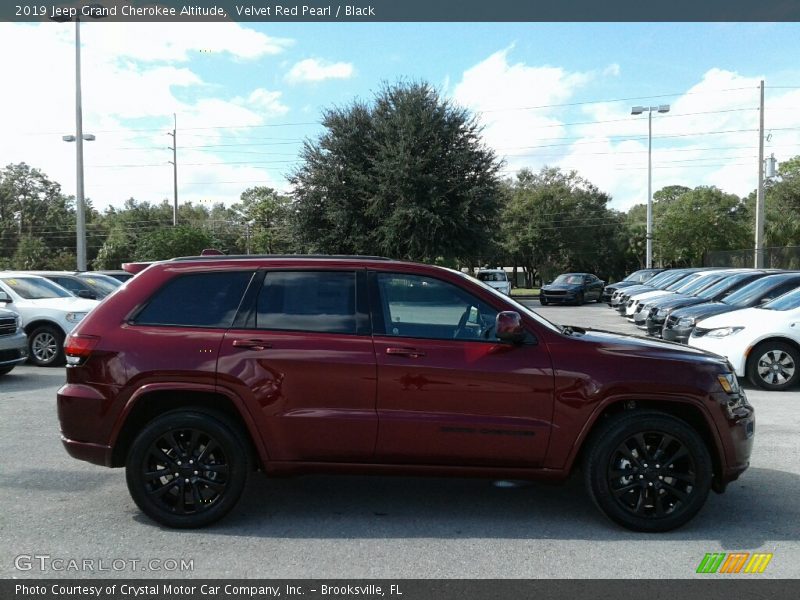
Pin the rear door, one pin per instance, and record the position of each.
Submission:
(448, 391)
(303, 359)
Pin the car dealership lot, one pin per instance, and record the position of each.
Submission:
(324, 526)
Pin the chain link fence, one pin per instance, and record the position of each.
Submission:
(778, 257)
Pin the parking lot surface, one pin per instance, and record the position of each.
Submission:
(377, 527)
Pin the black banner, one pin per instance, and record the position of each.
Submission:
(402, 10)
(411, 589)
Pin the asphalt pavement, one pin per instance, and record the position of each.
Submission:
(375, 527)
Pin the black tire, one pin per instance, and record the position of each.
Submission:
(46, 346)
(168, 446)
(542, 300)
(659, 491)
(579, 299)
(773, 365)
(6, 370)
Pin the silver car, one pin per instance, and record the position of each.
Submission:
(13, 341)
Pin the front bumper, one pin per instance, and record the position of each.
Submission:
(677, 334)
(654, 325)
(566, 297)
(13, 349)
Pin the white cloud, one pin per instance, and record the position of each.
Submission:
(134, 78)
(314, 70)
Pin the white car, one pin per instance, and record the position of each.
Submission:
(761, 343)
(496, 278)
(48, 311)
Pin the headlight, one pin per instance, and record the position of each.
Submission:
(729, 383)
(723, 332)
(18, 323)
(686, 322)
(75, 317)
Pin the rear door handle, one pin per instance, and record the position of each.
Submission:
(410, 352)
(252, 344)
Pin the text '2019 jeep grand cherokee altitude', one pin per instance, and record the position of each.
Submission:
(208, 366)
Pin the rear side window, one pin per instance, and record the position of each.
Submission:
(197, 300)
(318, 301)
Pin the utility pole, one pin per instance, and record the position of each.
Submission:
(759, 250)
(174, 163)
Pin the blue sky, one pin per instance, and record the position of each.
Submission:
(246, 95)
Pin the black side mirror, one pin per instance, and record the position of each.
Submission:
(508, 326)
(89, 295)
(4, 297)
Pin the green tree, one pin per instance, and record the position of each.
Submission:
(407, 176)
(265, 216)
(700, 220)
(555, 221)
(170, 242)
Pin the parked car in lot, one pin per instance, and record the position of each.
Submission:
(572, 288)
(679, 325)
(682, 282)
(762, 343)
(119, 275)
(13, 341)
(207, 366)
(634, 278)
(48, 311)
(710, 288)
(496, 278)
(83, 284)
(660, 282)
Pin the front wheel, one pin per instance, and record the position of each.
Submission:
(773, 366)
(46, 346)
(542, 300)
(647, 471)
(187, 468)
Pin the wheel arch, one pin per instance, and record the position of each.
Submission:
(684, 410)
(153, 401)
(29, 328)
(772, 338)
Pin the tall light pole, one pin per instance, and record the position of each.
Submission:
(637, 110)
(78, 138)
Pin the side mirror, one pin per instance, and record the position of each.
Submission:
(4, 297)
(508, 327)
(89, 295)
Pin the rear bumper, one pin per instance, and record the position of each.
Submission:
(94, 453)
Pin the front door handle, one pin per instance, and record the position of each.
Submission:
(254, 344)
(410, 352)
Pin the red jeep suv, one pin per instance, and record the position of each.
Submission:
(200, 369)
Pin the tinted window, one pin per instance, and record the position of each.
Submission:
(320, 301)
(423, 307)
(35, 289)
(788, 301)
(753, 292)
(71, 284)
(199, 300)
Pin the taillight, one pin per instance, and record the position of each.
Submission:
(78, 348)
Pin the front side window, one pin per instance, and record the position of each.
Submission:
(318, 301)
(423, 307)
(197, 300)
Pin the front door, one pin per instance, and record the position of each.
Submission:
(448, 391)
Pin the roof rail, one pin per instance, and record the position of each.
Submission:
(315, 256)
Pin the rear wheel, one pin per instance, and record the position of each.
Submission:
(647, 471)
(187, 468)
(46, 346)
(773, 366)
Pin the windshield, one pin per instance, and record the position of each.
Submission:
(569, 278)
(700, 284)
(753, 292)
(34, 288)
(100, 284)
(723, 285)
(681, 281)
(657, 280)
(492, 276)
(641, 276)
(788, 301)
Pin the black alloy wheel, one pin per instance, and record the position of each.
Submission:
(648, 471)
(187, 469)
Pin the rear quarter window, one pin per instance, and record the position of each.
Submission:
(196, 300)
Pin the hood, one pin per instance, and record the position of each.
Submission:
(747, 317)
(631, 345)
(71, 304)
(702, 311)
(668, 303)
